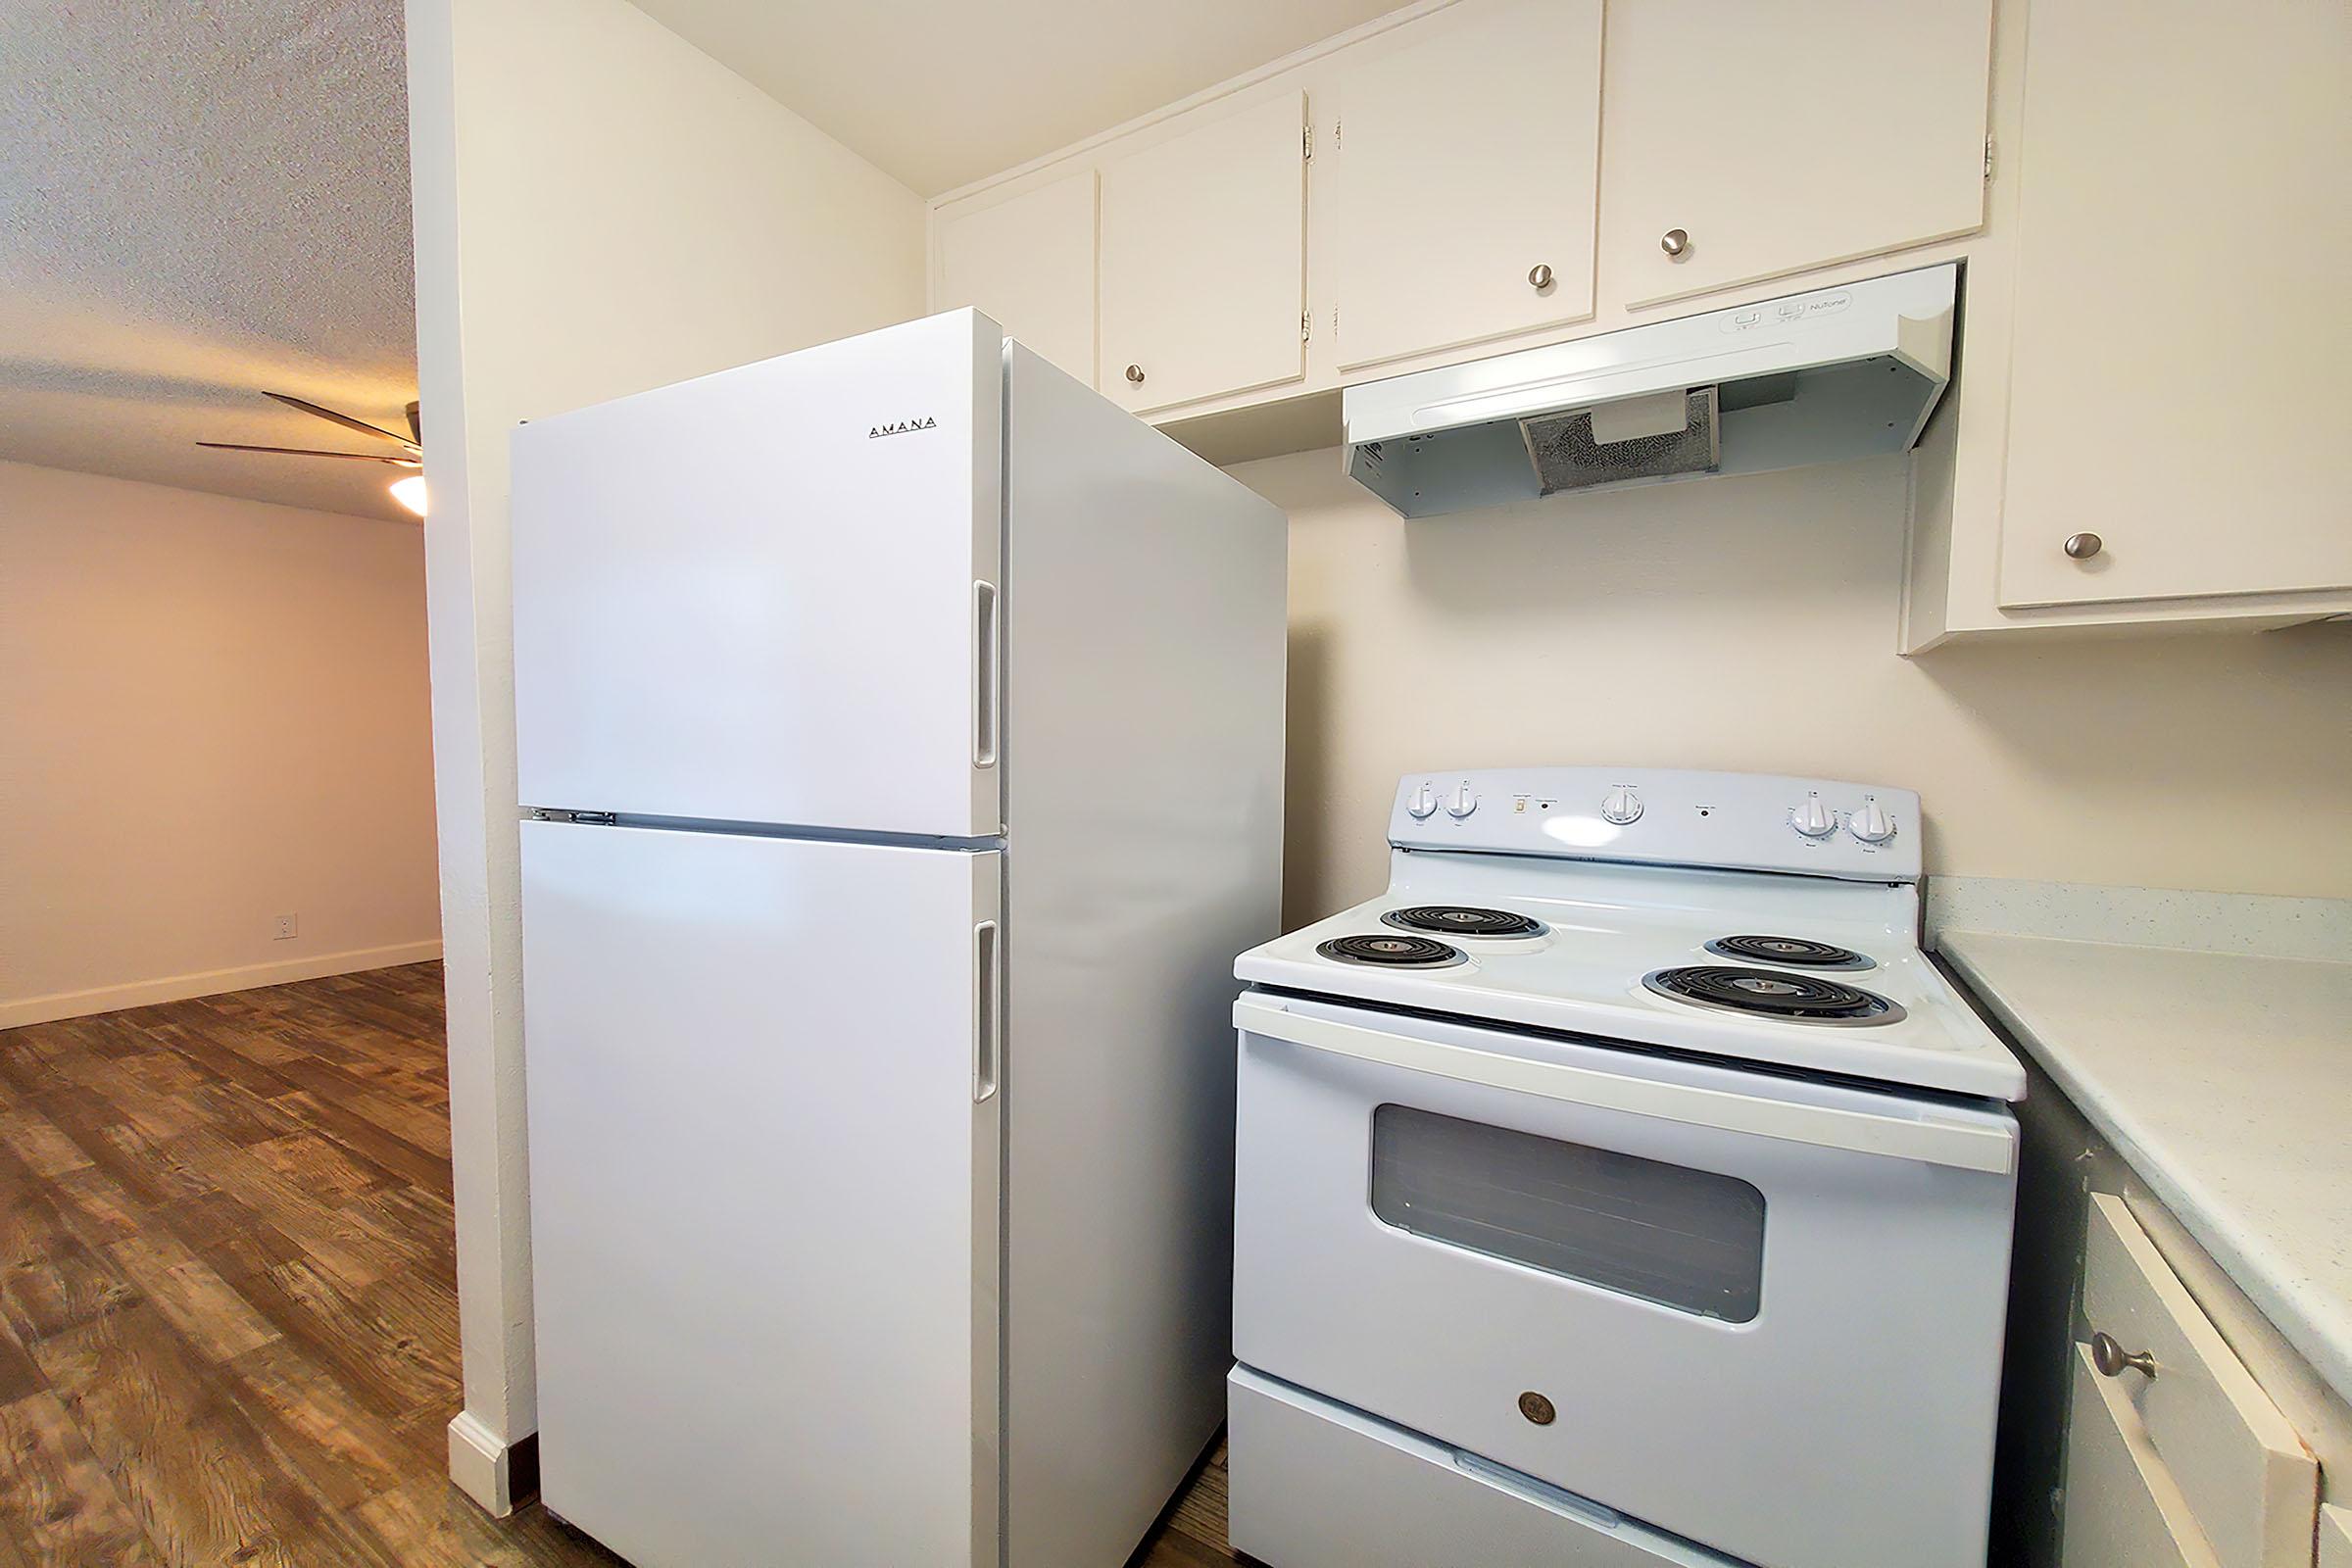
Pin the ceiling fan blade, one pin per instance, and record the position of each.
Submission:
(343, 419)
(309, 452)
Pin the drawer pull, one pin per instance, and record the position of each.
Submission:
(2108, 1357)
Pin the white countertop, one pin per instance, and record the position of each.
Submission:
(2225, 1080)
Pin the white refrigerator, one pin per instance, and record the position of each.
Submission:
(899, 731)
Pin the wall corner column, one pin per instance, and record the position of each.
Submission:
(469, 615)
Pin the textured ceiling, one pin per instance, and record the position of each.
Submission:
(202, 200)
(940, 92)
(198, 201)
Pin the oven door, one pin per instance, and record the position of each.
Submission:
(1757, 1310)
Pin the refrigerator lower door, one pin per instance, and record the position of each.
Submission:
(763, 1146)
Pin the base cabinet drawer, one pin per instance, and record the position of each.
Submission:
(2122, 1508)
(2169, 1432)
(2336, 1538)
(1317, 1485)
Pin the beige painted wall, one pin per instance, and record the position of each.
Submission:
(599, 209)
(1749, 623)
(213, 711)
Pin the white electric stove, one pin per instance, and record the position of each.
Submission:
(1624, 1186)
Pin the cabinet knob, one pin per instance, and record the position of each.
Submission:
(1135, 374)
(1539, 275)
(2108, 1357)
(2084, 546)
(1675, 242)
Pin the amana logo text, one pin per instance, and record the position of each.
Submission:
(902, 428)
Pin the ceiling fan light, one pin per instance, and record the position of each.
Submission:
(410, 493)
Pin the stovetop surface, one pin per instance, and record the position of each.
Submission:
(1606, 927)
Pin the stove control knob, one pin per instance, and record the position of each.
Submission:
(1813, 819)
(1622, 807)
(1871, 824)
(1424, 802)
(1462, 804)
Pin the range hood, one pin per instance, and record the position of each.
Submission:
(1817, 377)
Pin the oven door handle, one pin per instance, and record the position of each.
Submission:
(1924, 1138)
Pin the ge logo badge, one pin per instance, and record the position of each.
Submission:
(1536, 1409)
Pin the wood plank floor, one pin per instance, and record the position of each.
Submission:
(228, 1325)
(228, 1328)
(1193, 1530)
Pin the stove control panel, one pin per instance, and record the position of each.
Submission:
(1739, 821)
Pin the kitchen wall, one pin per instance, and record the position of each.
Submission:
(599, 209)
(213, 712)
(1749, 623)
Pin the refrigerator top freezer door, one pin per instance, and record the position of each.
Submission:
(769, 595)
(764, 1155)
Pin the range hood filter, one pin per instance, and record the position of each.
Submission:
(1569, 454)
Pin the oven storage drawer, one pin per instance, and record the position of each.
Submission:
(1315, 1485)
(1760, 1313)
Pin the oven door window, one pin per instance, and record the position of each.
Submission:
(1693, 1240)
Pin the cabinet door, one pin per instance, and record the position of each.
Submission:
(1029, 263)
(1462, 156)
(1776, 135)
(2181, 326)
(1204, 259)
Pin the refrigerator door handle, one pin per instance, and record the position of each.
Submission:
(988, 673)
(988, 1009)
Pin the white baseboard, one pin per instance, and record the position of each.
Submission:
(208, 983)
(493, 1472)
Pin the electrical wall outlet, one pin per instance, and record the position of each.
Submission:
(286, 928)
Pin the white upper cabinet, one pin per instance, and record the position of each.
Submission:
(1204, 259)
(2181, 329)
(2151, 235)
(1460, 154)
(1744, 141)
(1028, 263)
